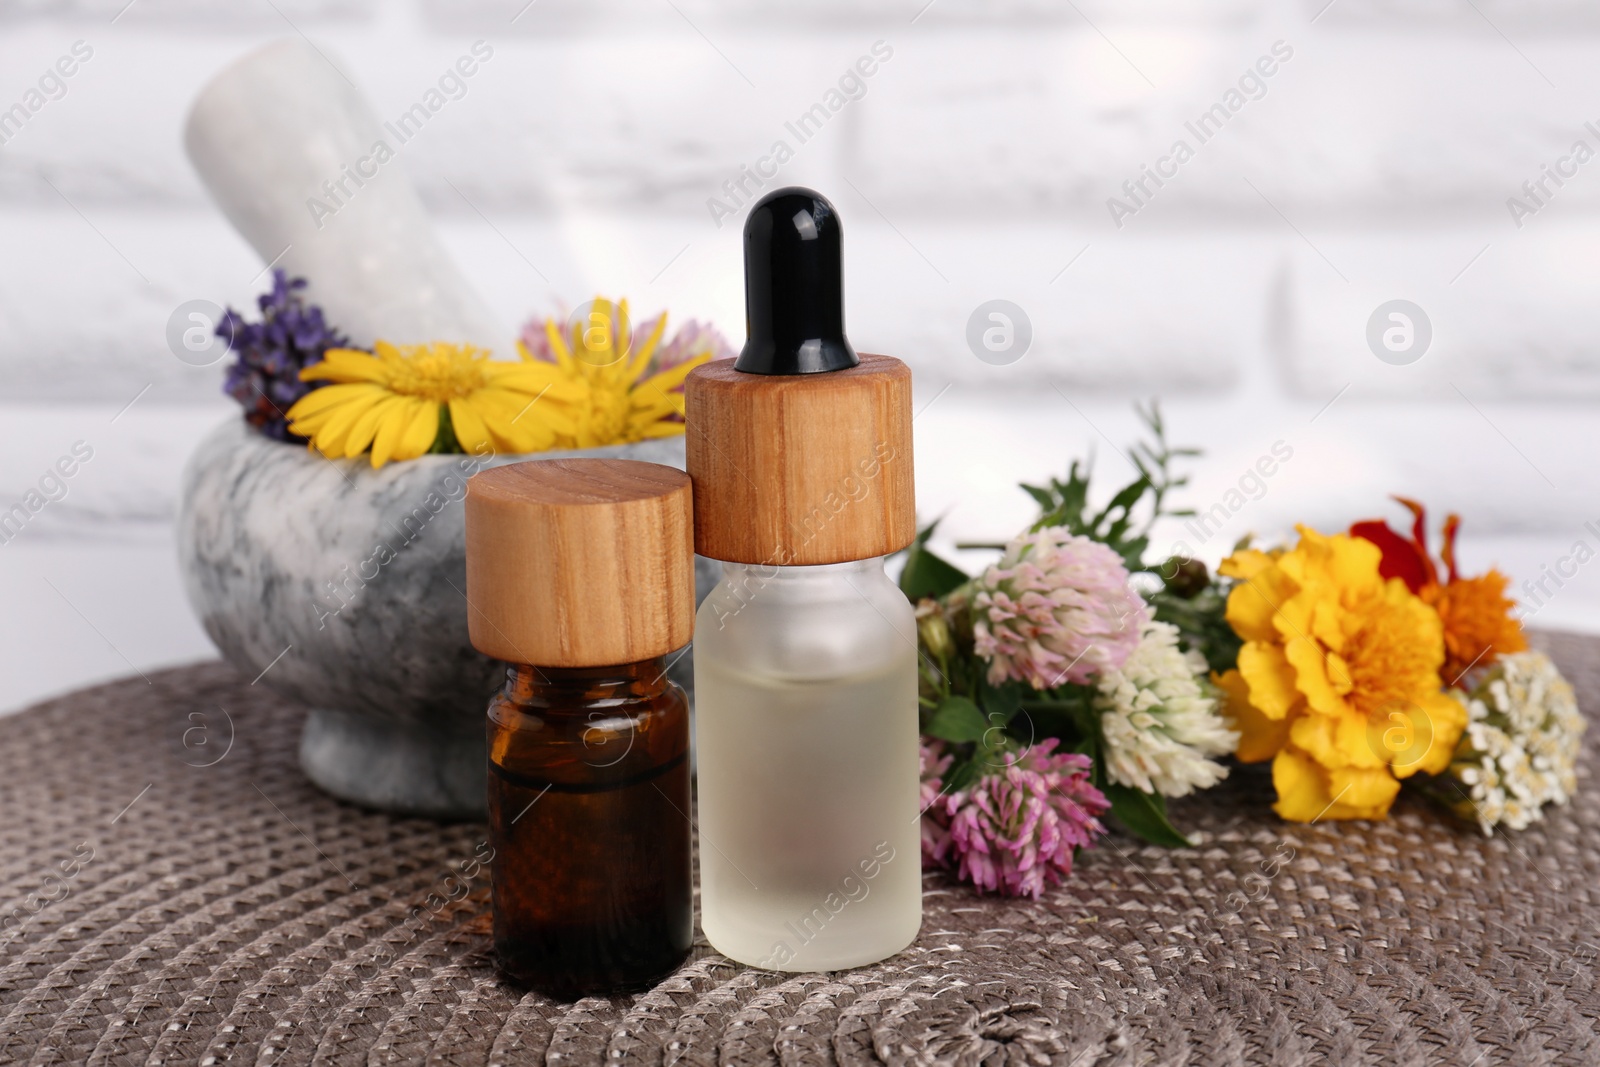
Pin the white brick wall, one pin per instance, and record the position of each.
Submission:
(1376, 163)
(1395, 127)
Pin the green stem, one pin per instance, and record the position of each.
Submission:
(445, 440)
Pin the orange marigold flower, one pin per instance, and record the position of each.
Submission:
(1338, 678)
(1478, 625)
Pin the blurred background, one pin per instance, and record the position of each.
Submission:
(1339, 155)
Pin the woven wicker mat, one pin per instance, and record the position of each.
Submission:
(183, 913)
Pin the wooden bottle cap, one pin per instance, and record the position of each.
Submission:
(801, 469)
(579, 562)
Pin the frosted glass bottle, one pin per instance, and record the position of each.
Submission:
(806, 726)
(800, 451)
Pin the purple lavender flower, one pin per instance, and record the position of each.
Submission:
(1014, 831)
(269, 355)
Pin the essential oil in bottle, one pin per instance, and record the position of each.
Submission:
(805, 653)
(580, 574)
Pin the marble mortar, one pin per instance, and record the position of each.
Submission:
(344, 588)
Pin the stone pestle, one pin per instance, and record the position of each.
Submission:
(297, 159)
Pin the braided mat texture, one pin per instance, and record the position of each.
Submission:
(175, 892)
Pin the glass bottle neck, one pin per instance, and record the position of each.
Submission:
(823, 573)
(780, 589)
(643, 679)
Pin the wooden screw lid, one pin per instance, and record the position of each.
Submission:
(579, 562)
(801, 469)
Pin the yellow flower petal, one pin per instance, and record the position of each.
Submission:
(519, 409)
(511, 440)
(673, 377)
(1436, 724)
(1339, 676)
(359, 439)
(1326, 623)
(329, 437)
(1311, 676)
(1338, 740)
(1254, 604)
(1363, 792)
(645, 411)
(420, 433)
(663, 429)
(558, 345)
(392, 428)
(1354, 563)
(641, 359)
(1260, 738)
(1245, 564)
(1302, 787)
(1308, 793)
(1271, 679)
(320, 401)
(1296, 611)
(346, 365)
(469, 428)
(540, 379)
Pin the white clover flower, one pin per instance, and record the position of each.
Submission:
(1159, 717)
(1519, 751)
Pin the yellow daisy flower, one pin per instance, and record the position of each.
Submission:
(1338, 679)
(394, 401)
(617, 404)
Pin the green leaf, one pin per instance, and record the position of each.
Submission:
(1125, 522)
(1202, 623)
(960, 775)
(1144, 815)
(1097, 773)
(1075, 495)
(957, 719)
(1001, 701)
(925, 574)
(1043, 497)
(1128, 495)
(1133, 552)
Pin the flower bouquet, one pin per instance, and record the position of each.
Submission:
(1363, 669)
(1054, 693)
(1076, 680)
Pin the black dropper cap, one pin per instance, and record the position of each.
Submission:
(794, 286)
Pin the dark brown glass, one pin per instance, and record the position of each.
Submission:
(589, 818)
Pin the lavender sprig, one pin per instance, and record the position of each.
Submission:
(269, 355)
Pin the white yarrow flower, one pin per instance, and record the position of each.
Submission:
(1159, 718)
(1519, 751)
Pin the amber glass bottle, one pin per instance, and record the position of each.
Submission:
(581, 575)
(588, 812)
